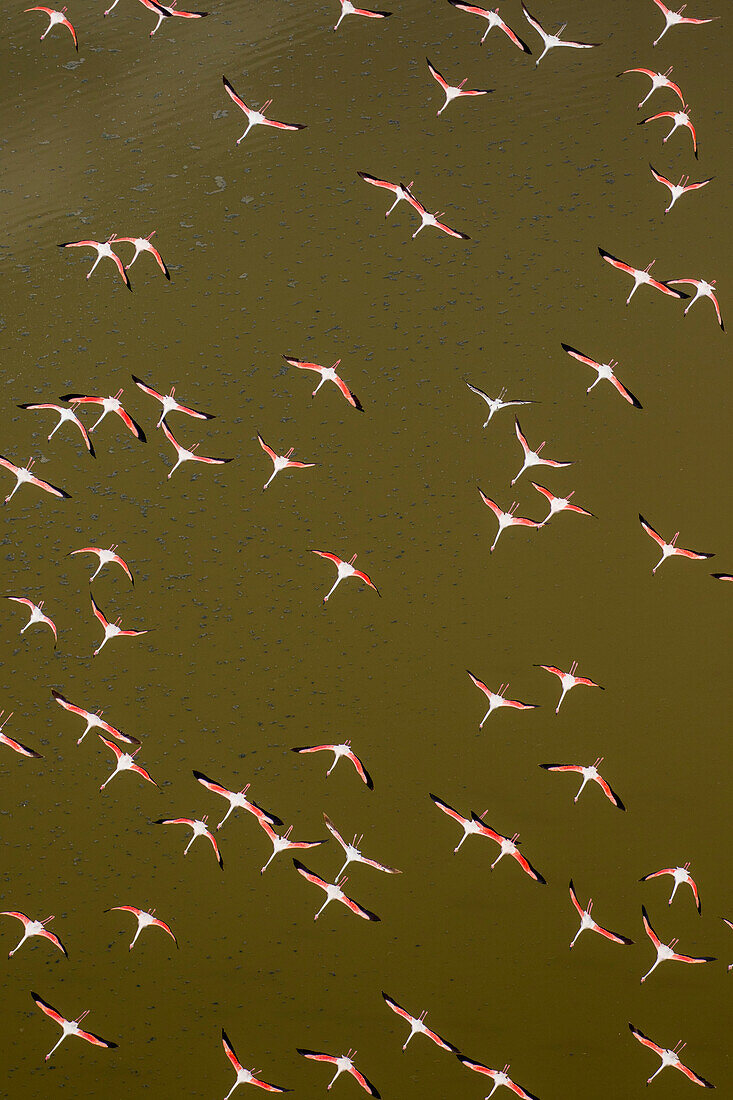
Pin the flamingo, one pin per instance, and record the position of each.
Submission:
(142, 244)
(164, 11)
(669, 549)
(34, 928)
(334, 892)
(669, 1058)
(328, 374)
(499, 1077)
(676, 190)
(495, 403)
(185, 455)
(109, 405)
(23, 476)
(552, 40)
(508, 847)
(169, 403)
(257, 118)
(666, 951)
(281, 462)
(339, 751)
(56, 18)
(702, 290)
(659, 80)
(558, 504)
(244, 1076)
(471, 825)
(418, 1026)
(65, 415)
(640, 277)
(70, 1027)
(604, 372)
(569, 680)
(493, 19)
(111, 630)
(103, 249)
(105, 557)
(589, 773)
(284, 843)
(125, 763)
(93, 721)
(679, 118)
(676, 18)
(352, 853)
(347, 8)
(199, 828)
(37, 615)
(16, 746)
(532, 458)
(398, 190)
(497, 699)
(345, 569)
(452, 91)
(506, 519)
(144, 920)
(237, 800)
(587, 922)
(680, 875)
(426, 218)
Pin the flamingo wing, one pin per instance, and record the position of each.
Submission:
(360, 911)
(309, 875)
(350, 397)
(334, 831)
(111, 745)
(98, 614)
(229, 1051)
(574, 899)
(233, 95)
(301, 364)
(486, 829)
(48, 1009)
(359, 1077)
(447, 809)
(648, 928)
(131, 425)
(528, 868)
(49, 488)
(614, 262)
(268, 450)
(397, 1008)
(96, 1040)
(477, 1067)
(644, 1040)
(692, 1075)
(493, 506)
(610, 793)
(361, 770)
(615, 937)
(625, 393)
(651, 532)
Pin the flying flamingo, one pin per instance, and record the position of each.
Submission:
(169, 403)
(589, 773)
(237, 800)
(328, 374)
(24, 476)
(105, 557)
(497, 699)
(164, 11)
(666, 951)
(125, 763)
(352, 853)
(676, 18)
(676, 190)
(669, 549)
(109, 405)
(57, 18)
(281, 462)
(506, 519)
(453, 91)
(426, 218)
(569, 680)
(640, 277)
(344, 569)
(680, 875)
(257, 118)
(339, 751)
(508, 847)
(111, 630)
(418, 1026)
(587, 922)
(347, 8)
(144, 920)
(494, 403)
(659, 80)
(93, 721)
(552, 40)
(142, 244)
(37, 615)
(283, 843)
(34, 928)
(398, 190)
(103, 249)
(680, 118)
(199, 828)
(558, 504)
(334, 892)
(499, 1077)
(493, 19)
(186, 455)
(65, 414)
(23, 750)
(532, 458)
(669, 1058)
(70, 1027)
(471, 825)
(604, 372)
(702, 290)
(244, 1076)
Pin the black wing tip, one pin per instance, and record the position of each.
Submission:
(357, 404)
(159, 821)
(300, 866)
(540, 878)
(369, 780)
(619, 804)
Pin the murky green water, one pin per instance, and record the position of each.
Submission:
(277, 247)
